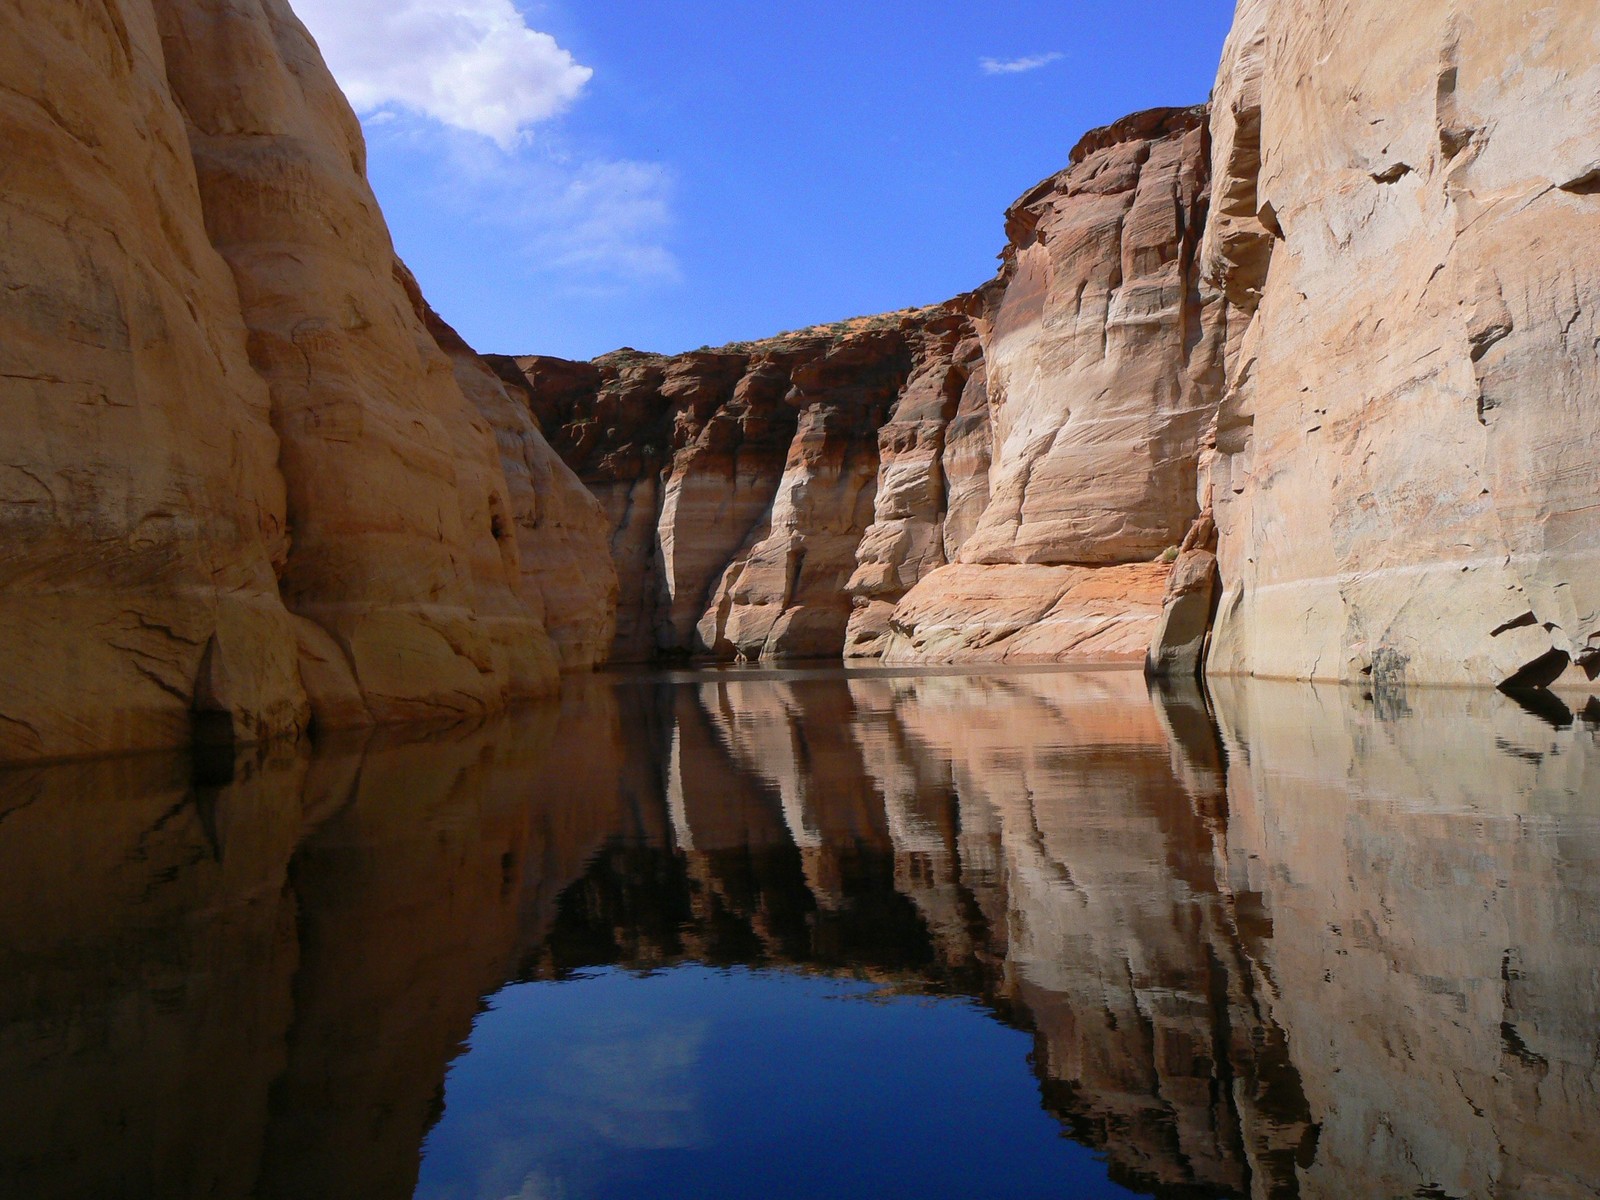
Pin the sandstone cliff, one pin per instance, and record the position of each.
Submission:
(1104, 361)
(757, 491)
(243, 483)
(994, 479)
(1406, 207)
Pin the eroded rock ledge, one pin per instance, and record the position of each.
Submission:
(755, 491)
(1303, 386)
(1331, 349)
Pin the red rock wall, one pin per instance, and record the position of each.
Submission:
(740, 484)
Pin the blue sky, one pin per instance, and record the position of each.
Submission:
(570, 176)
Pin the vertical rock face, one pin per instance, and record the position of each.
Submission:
(1406, 206)
(995, 479)
(240, 467)
(684, 455)
(933, 480)
(748, 513)
(1104, 362)
(566, 576)
(392, 477)
(1104, 358)
(142, 515)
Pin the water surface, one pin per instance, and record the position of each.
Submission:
(820, 933)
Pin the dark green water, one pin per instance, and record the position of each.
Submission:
(820, 934)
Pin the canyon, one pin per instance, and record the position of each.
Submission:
(994, 479)
(1297, 384)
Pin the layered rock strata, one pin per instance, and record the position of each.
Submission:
(1104, 361)
(1406, 207)
(758, 492)
(244, 485)
(995, 479)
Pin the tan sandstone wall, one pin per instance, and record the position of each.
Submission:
(1104, 367)
(1407, 461)
(142, 517)
(243, 483)
(994, 479)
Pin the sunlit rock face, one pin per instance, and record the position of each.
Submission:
(933, 482)
(244, 482)
(1104, 356)
(768, 497)
(1423, 881)
(995, 479)
(1104, 364)
(142, 514)
(1029, 614)
(1406, 205)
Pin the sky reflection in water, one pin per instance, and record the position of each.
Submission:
(817, 933)
(695, 1082)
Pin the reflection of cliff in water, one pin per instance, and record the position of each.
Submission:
(1322, 953)
(1043, 842)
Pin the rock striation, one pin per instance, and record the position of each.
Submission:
(1325, 349)
(244, 486)
(1405, 209)
(771, 499)
(1296, 385)
(1105, 362)
(993, 479)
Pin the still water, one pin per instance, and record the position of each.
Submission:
(820, 934)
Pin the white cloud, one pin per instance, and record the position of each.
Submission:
(470, 64)
(589, 223)
(1018, 66)
(450, 88)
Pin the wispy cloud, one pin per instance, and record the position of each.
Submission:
(454, 87)
(470, 64)
(1018, 66)
(590, 224)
